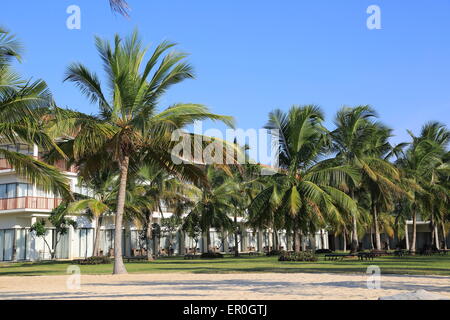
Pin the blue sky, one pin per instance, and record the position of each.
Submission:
(253, 56)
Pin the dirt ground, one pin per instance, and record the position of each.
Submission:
(217, 286)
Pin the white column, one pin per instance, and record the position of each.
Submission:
(70, 244)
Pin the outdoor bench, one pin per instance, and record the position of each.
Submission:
(137, 258)
(366, 256)
(335, 257)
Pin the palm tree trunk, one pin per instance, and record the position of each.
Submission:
(302, 242)
(433, 233)
(354, 246)
(297, 242)
(406, 236)
(322, 239)
(413, 241)
(149, 237)
(436, 235)
(376, 227)
(336, 242)
(288, 240)
(236, 248)
(208, 241)
(119, 267)
(275, 239)
(98, 224)
(371, 238)
(260, 241)
(444, 238)
(344, 236)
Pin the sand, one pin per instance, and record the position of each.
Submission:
(255, 286)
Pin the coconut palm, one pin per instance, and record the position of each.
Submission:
(306, 189)
(424, 163)
(361, 142)
(213, 204)
(120, 6)
(101, 201)
(10, 47)
(151, 189)
(22, 104)
(128, 130)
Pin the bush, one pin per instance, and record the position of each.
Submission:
(298, 256)
(274, 253)
(94, 261)
(211, 255)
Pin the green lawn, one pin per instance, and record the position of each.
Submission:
(417, 265)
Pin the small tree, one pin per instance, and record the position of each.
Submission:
(61, 226)
(169, 226)
(192, 227)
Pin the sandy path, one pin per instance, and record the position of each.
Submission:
(218, 286)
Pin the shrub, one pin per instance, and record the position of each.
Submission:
(94, 261)
(298, 256)
(211, 255)
(274, 253)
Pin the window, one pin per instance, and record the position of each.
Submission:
(24, 190)
(3, 194)
(21, 148)
(25, 149)
(15, 190)
(11, 190)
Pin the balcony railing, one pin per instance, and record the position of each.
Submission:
(4, 164)
(38, 203)
(59, 164)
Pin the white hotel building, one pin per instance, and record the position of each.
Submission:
(22, 204)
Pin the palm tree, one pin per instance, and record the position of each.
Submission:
(100, 202)
(120, 6)
(10, 48)
(22, 105)
(246, 185)
(128, 129)
(151, 189)
(212, 204)
(424, 163)
(362, 143)
(306, 189)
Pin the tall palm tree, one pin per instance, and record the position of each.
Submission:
(213, 204)
(246, 184)
(426, 164)
(361, 142)
(22, 105)
(128, 129)
(306, 189)
(151, 189)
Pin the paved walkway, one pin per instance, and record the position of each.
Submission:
(217, 286)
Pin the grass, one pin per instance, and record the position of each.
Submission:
(414, 265)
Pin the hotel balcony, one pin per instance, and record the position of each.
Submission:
(60, 164)
(36, 203)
